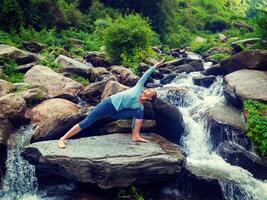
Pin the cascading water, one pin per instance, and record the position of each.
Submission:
(20, 181)
(237, 184)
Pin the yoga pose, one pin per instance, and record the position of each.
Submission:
(123, 105)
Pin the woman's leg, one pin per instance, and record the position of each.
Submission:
(137, 115)
(102, 109)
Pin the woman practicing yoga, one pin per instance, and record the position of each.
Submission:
(123, 105)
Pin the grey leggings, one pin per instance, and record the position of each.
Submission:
(106, 108)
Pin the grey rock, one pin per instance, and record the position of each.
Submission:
(20, 56)
(56, 84)
(168, 79)
(253, 59)
(204, 81)
(5, 87)
(108, 161)
(245, 84)
(72, 66)
(33, 46)
(92, 93)
(226, 124)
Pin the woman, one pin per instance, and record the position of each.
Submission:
(123, 105)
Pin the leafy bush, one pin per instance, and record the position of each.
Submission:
(256, 114)
(128, 40)
(220, 56)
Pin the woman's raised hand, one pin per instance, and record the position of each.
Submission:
(159, 63)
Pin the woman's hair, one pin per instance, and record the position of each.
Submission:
(154, 96)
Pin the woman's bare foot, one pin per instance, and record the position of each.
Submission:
(61, 144)
(139, 139)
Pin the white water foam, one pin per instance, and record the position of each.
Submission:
(236, 183)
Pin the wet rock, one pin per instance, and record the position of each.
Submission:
(153, 85)
(169, 120)
(236, 155)
(20, 56)
(165, 71)
(97, 59)
(200, 182)
(13, 106)
(53, 118)
(33, 46)
(95, 72)
(72, 66)
(236, 48)
(204, 81)
(175, 95)
(124, 75)
(114, 160)
(125, 126)
(92, 92)
(5, 87)
(168, 79)
(113, 87)
(215, 70)
(226, 124)
(245, 84)
(253, 59)
(6, 129)
(56, 84)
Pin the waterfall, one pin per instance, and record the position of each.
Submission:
(238, 183)
(20, 182)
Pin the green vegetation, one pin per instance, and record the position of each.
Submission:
(256, 114)
(220, 56)
(10, 69)
(128, 40)
(80, 79)
(130, 194)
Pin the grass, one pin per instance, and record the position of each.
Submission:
(256, 115)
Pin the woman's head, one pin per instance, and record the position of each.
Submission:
(149, 94)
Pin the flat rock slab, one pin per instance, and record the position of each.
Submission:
(109, 161)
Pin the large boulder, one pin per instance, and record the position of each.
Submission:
(125, 126)
(5, 87)
(169, 119)
(236, 155)
(6, 129)
(226, 124)
(124, 75)
(72, 66)
(13, 106)
(245, 84)
(108, 161)
(57, 84)
(113, 87)
(20, 56)
(253, 59)
(53, 118)
(92, 92)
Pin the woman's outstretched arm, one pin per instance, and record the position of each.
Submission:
(148, 72)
